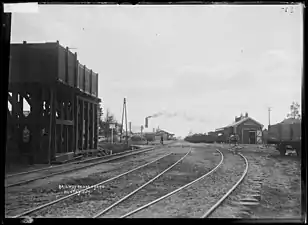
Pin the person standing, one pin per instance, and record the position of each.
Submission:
(26, 145)
(162, 140)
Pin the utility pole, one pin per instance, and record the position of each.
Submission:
(126, 121)
(122, 122)
(124, 112)
(141, 128)
(269, 116)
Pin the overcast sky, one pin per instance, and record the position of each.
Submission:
(203, 64)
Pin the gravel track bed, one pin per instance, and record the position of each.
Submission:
(87, 204)
(22, 198)
(272, 181)
(24, 177)
(196, 164)
(195, 200)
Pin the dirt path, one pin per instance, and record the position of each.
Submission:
(276, 179)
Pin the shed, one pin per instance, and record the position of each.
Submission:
(248, 129)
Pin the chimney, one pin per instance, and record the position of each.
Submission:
(246, 114)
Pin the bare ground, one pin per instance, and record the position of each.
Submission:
(276, 179)
(21, 198)
(199, 162)
(57, 169)
(193, 201)
(86, 205)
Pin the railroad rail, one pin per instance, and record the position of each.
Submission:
(214, 207)
(66, 164)
(220, 201)
(142, 186)
(88, 188)
(177, 190)
(206, 214)
(75, 169)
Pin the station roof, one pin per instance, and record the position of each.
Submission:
(235, 124)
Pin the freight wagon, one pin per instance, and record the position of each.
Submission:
(284, 134)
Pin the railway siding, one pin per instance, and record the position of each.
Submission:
(22, 198)
(188, 203)
(86, 205)
(52, 171)
(199, 162)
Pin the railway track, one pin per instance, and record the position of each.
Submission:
(208, 212)
(146, 166)
(66, 164)
(52, 171)
(220, 201)
(122, 199)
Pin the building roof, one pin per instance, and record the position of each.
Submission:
(165, 132)
(239, 122)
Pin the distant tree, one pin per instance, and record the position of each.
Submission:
(294, 111)
(105, 124)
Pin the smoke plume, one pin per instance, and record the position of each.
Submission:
(176, 114)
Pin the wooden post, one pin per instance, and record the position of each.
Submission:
(55, 148)
(82, 123)
(93, 126)
(96, 122)
(14, 106)
(68, 128)
(90, 125)
(74, 116)
(87, 126)
(20, 108)
(51, 125)
(61, 129)
(77, 120)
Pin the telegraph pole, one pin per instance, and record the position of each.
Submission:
(126, 121)
(122, 122)
(141, 128)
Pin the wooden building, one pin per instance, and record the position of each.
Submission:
(248, 129)
(63, 99)
(166, 135)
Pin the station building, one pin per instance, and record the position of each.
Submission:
(248, 129)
